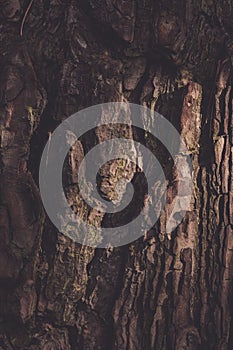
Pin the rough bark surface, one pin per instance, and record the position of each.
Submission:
(160, 292)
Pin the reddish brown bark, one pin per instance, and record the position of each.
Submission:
(159, 292)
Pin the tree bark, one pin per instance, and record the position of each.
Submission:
(161, 291)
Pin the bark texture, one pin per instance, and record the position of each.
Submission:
(160, 292)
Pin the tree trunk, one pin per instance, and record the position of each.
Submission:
(161, 291)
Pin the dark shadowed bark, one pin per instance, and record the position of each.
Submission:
(162, 291)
